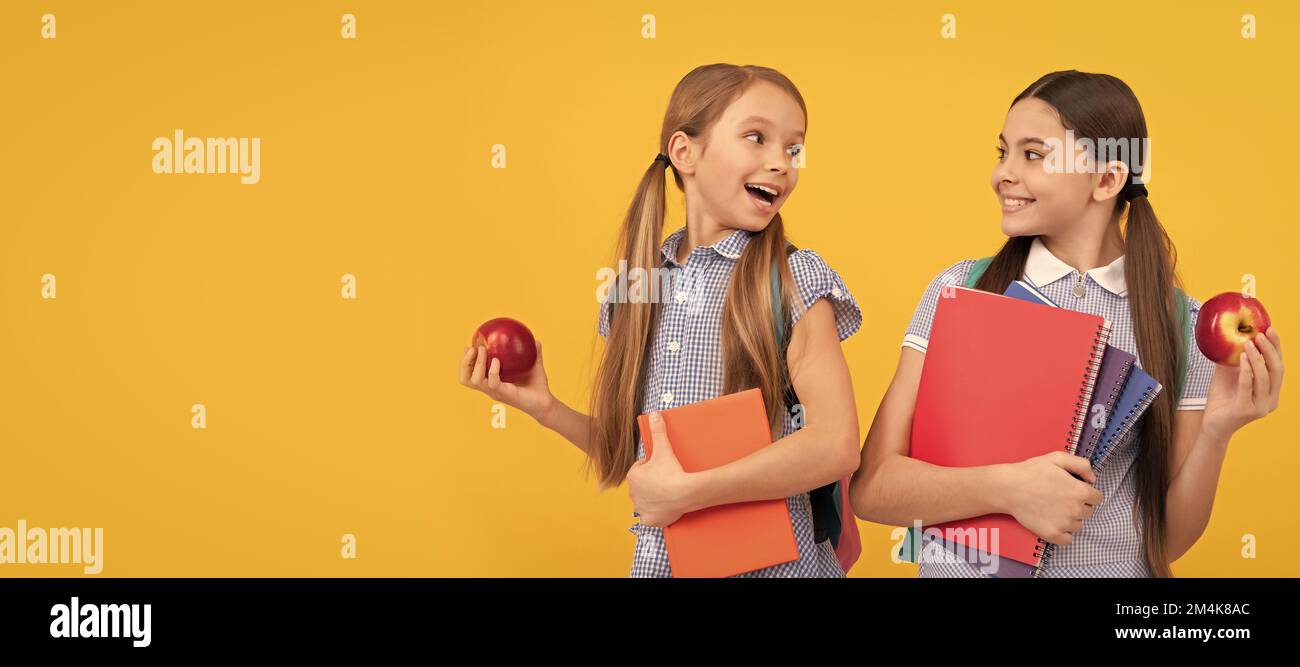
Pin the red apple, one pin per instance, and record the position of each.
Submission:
(1225, 324)
(511, 342)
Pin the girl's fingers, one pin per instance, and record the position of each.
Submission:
(479, 363)
(494, 374)
(1076, 465)
(466, 361)
(1260, 371)
(1274, 338)
(1273, 359)
(1245, 380)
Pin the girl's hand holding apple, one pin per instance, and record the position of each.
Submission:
(1240, 395)
(1235, 332)
(522, 384)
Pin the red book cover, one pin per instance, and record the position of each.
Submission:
(1004, 380)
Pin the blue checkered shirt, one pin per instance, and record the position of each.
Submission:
(685, 366)
(1110, 543)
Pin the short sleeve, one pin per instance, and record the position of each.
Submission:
(918, 330)
(816, 280)
(1196, 378)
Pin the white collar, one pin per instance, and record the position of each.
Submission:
(1043, 268)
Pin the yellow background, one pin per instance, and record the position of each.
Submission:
(328, 416)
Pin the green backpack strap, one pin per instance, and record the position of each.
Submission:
(778, 309)
(1184, 320)
(976, 271)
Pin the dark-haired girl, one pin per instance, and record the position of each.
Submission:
(1089, 239)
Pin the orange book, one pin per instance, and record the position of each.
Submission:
(728, 539)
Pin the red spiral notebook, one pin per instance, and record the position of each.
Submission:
(1004, 380)
(728, 539)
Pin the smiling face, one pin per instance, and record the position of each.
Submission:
(1035, 200)
(744, 172)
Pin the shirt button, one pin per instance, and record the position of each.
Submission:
(835, 292)
(674, 346)
(667, 397)
(681, 297)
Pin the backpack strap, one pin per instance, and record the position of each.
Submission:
(778, 308)
(1184, 308)
(779, 319)
(976, 271)
(782, 328)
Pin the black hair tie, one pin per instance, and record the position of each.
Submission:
(664, 159)
(1134, 190)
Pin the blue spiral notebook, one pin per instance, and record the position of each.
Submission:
(1025, 292)
(1140, 390)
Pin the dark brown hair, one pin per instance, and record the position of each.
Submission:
(1100, 106)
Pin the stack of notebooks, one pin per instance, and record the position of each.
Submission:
(1123, 395)
(1008, 378)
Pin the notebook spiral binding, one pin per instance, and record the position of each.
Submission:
(1110, 400)
(1087, 385)
(1043, 548)
(1128, 423)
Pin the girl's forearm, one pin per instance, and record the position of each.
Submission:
(899, 490)
(804, 460)
(1191, 494)
(573, 425)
